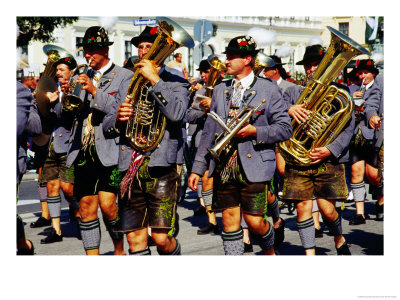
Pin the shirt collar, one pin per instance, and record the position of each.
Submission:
(246, 81)
(105, 68)
(279, 81)
(369, 85)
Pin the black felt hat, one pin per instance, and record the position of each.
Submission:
(204, 66)
(149, 35)
(366, 64)
(313, 53)
(96, 37)
(243, 45)
(69, 61)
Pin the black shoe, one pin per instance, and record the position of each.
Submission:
(319, 233)
(175, 231)
(25, 251)
(357, 220)
(52, 237)
(200, 211)
(41, 222)
(279, 234)
(208, 228)
(248, 248)
(379, 212)
(343, 250)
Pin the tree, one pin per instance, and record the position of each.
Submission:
(40, 28)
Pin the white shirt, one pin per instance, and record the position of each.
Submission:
(369, 85)
(279, 81)
(101, 71)
(245, 82)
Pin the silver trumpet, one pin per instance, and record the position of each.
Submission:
(230, 129)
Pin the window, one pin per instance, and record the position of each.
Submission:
(128, 49)
(344, 28)
(80, 52)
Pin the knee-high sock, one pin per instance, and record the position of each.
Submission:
(335, 227)
(233, 242)
(207, 197)
(141, 252)
(307, 233)
(110, 224)
(54, 205)
(265, 241)
(273, 209)
(199, 188)
(358, 191)
(176, 251)
(91, 234)
(42, 191)
(73, 202)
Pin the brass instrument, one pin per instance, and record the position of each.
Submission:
(330, 107)
(146, 128)
(214, 78)
(71, 100)
(262, 61)
(47, 82)
(230, 129)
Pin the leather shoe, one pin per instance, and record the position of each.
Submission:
(52, 237)
(208, 228)
(379, 212)
(279, 234)
(41, 222)
(357, 220)
(343, 250)
(200, 211)
(248, 247)
(319, 233)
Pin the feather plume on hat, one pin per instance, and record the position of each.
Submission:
(284, 51)
(107, 22)
(262, 37)
(377, 58)
(315, 40)
(22, 60)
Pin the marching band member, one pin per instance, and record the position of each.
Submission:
(94, 156)
(252, 157)
(148, 191)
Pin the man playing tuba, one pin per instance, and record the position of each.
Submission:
(148, 190)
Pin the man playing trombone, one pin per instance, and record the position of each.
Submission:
(241, 174)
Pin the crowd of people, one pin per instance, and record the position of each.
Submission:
(223, 128)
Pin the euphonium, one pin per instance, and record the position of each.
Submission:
(214, 78)
(71, 100)
(230, 129)
(146, 128)
(262, 61)
(330, 107)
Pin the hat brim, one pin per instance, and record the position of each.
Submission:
(231, 50)
(94, 45)
(310, 59)
(142, 38)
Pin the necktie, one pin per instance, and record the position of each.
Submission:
(237, 94)
(97, 75)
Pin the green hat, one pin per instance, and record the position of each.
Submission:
(149, 35)
(243, 45)
(96, 37)
(69, 61)
(313, 53)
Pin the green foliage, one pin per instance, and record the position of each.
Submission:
(40, 28)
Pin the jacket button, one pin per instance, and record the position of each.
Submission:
(249, 155)
(76, 123)
(123, 148)
(60, 134)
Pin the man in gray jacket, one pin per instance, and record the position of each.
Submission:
(94, 156)
(242, 174)
(148, 190)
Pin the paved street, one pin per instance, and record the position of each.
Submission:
(364, 239)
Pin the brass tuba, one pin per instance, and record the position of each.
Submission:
(217, 67)
(330, 107)
(262, 61)
(146, 128)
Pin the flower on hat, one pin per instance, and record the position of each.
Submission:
(369, 63)
(242, 43)
(92, 38)
(66, 59)
(153, 30)
(320, 52)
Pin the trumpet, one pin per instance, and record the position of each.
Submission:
(71, 101)
(231, 128)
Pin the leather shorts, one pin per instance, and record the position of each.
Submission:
(55, 168)
(325, 180)
(152, 200)
(363, 149)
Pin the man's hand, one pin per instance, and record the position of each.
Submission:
(246, 131)
(357, 94)
(375, 122)
(206, 103)
(319, 154)
(148, 70)
(125, 111)
(87, 84)
(53, 97)
(299, 113)
(193, 181)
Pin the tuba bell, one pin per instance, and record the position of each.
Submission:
(147, 126)
(330, 107)
(217, 67)
(262, 61)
